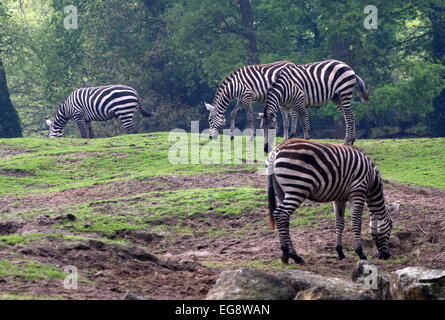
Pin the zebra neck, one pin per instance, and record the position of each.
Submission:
(376, 200)
(223, 97)
(61, 117)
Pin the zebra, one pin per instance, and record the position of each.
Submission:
(312, 85)
(246, 84)
(299, 169)
(97, 104)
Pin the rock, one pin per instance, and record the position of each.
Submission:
(418, 283)
(368, 276)
(132, 296)
(249, 284)
(310, 286)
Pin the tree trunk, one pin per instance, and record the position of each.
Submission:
(9, 120)
(249, 32)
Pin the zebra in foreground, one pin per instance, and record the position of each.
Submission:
(246, 84)
(311, 85)
(97, 104)
(299, 169)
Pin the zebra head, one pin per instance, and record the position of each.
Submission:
(269, 125)
(217, 121)
(381, 227)
(53, 133)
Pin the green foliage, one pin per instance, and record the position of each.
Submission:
(175, 53)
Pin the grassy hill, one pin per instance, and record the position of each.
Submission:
(30, 166)
(90, 203)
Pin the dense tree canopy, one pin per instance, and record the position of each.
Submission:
(176, 52)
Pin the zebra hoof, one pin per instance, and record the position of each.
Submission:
(297, 259)
(285, 259)
(340, 253)
(360, 254)
(384, 255)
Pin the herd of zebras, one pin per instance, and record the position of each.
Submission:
(297, 169)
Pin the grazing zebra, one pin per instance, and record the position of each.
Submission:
(299, 169)
(246, 84)
(311, 85)
(97, 104)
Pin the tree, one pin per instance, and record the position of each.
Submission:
(9, 121)
(249, 31)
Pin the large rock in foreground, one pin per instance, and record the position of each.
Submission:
(249, 284)
(310, 286)
(418, 283)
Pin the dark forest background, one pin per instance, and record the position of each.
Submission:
(176, 52)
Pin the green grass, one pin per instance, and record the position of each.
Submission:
(308, 216)
(414, 161)
(174, 208)
(30, 270)
(52, 165)
(25, 297)
(257, 264)
(49, 165)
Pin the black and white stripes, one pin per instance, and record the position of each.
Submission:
(97, 104)
(247, 84)
(300, 169)
(301, 86)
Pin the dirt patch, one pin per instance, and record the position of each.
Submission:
(107, 271)
(178, 272)
(16, 173)
(7, 151)
(7, 228)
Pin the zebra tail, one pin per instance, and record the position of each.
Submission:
(271, 199)
(362, 87)
(145, 113)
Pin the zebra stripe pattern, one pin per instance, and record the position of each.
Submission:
(311, 85)
(299, 169)
(97, 104)
(247, 84)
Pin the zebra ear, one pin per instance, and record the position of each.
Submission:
(209, 107)
(259, 116)
(394, 207)
(49, 122)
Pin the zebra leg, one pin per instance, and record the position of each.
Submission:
(339, 209)
(233, 119)
(357, 205)
(247, 104)
(128, 123)
(294, 123)
(282, 217)
(304, 118)
(90, 129)
(82, 125)
(350, 122)
(285, 115)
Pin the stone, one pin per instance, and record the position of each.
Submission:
(249, 284)
(418, 283)
(132, 296)
(310, 286)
